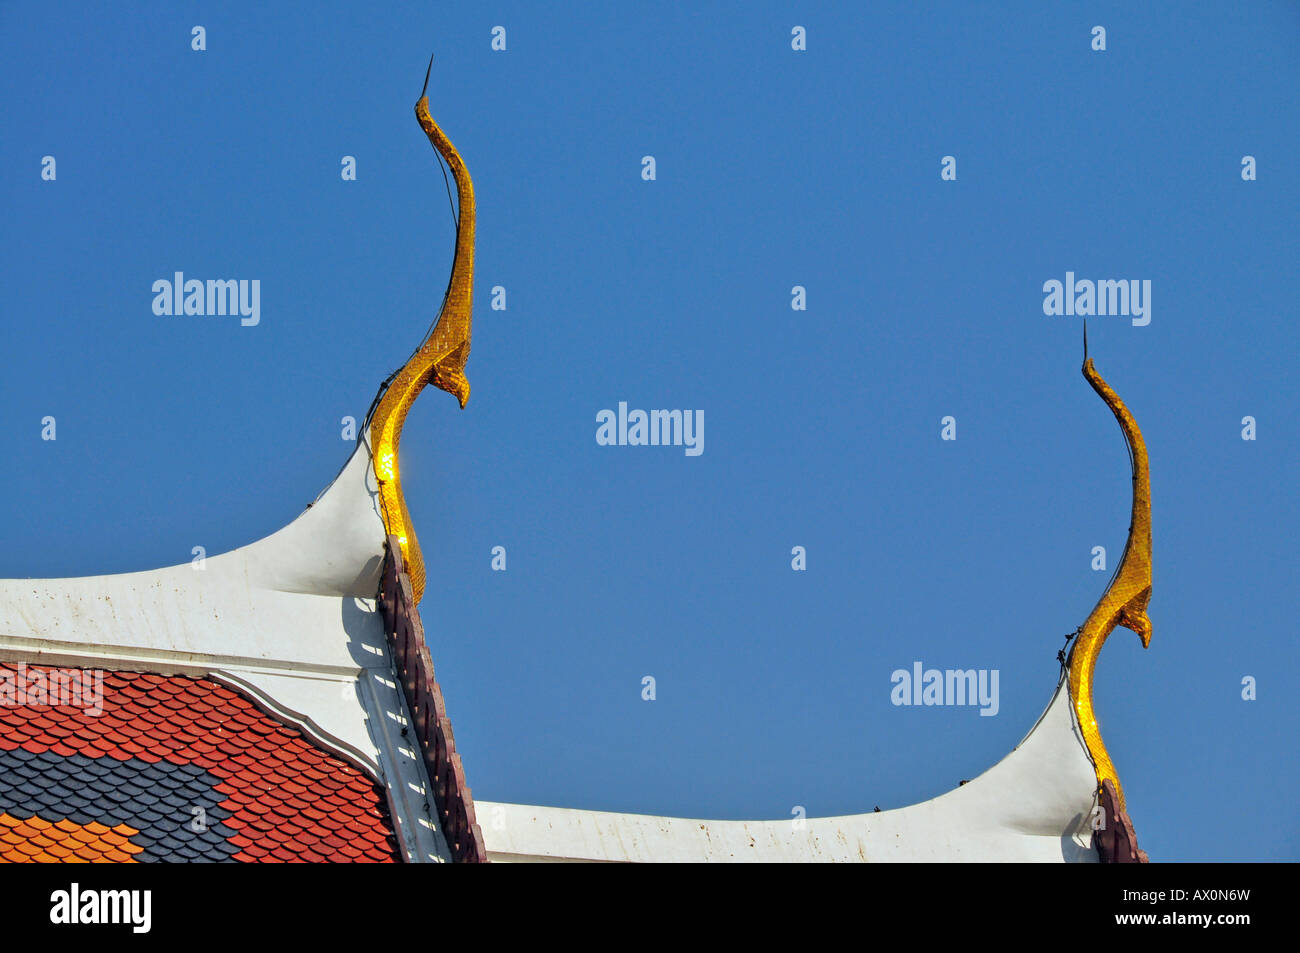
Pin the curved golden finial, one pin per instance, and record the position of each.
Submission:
(440, 360)
(1125, 600)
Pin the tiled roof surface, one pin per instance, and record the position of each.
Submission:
(175, 769)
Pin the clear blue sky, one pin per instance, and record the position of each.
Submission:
(775, 169)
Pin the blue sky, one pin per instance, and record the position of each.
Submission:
(775, 168)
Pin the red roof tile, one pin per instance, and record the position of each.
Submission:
(272, 795)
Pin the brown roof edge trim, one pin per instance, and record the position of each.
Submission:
(1116, 841)
(431, 725)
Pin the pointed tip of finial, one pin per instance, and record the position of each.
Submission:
(426, 77)
(1085, 339)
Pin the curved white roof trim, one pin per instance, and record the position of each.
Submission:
(1033, 805)
(341, 728)
(335, 548)
(283, 617)
(284, 603)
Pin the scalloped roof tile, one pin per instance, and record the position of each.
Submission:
(167, 755)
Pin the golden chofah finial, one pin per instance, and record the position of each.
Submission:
(440, 360)
(1124, 603)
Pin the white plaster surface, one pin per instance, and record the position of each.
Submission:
(1033, 805)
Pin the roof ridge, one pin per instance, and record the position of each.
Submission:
(431, 725)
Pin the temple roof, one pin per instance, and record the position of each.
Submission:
(172, 768)
(266, 684)
(285, 692)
